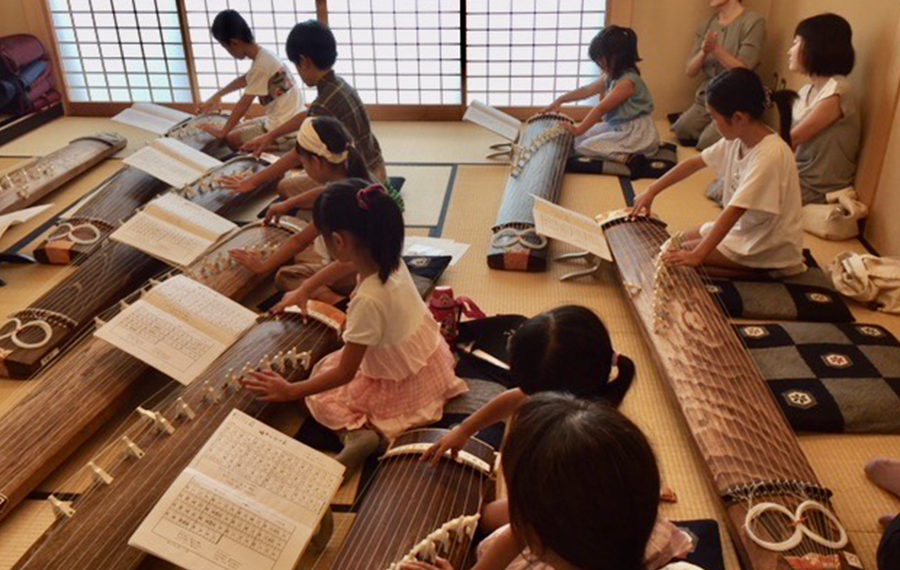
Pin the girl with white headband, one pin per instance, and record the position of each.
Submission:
(325, 150)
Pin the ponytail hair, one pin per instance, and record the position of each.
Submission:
(338, 140)
(741, 90)
(618, 46)
(568, 349)
(366, 211)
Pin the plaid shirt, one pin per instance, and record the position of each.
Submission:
(340, 100)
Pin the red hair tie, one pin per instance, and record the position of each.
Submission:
(364, 196)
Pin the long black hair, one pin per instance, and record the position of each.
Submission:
(366, 211)
(338, 140)
(583, 483)
(741, 90)
(568, 349)
(618, 46)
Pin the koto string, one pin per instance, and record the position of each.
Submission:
(227, 283)
(757, 395)
(650, 251)
(58, 386)
(190, 448)
(196, 443)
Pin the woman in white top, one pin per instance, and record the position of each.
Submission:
(759, 228)
(826, 124)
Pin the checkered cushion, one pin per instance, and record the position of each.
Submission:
(809, 297)
(841, 377)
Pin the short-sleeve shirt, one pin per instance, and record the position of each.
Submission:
(744, 38)
(384, 314)
(270, 80)
(828, 162)
(764, 181)
(338, 99)
(638, 105)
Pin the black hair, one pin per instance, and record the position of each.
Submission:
(314, 40)
(568, 349)
(366, 211)
(618, 46)
(741, 90)
(336, 137)
(582, 481)
(827, 45)
(230, 25)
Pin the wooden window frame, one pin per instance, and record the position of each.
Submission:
(619, 12)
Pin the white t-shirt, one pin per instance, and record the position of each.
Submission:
(384, 314)
(763, 180)
(270, 80)
(807, 100)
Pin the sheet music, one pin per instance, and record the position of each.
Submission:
(228, 508)
(563, 224)
(154, 118)
(213, 313)
(193, 217)
(493, 120)
(173, 229)
(20, 216)
(272, 468)
(172, 161)
(180, 327)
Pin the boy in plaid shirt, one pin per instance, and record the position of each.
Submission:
(312, 48)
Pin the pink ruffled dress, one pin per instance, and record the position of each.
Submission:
(407, 373)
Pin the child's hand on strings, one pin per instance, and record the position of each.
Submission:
(440, 564)
(299, 297)
(238, 184)
(257, 146)
(214, 104)
(452, 442)
(252, 260)
(642, 205)
(219, 134)
(275, 211)
(269, 386)
(684, 257)
(553, 107)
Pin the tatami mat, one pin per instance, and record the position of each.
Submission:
(22, 529)
(55, 134)
(434, 142)
(323, 560)
(423, 192)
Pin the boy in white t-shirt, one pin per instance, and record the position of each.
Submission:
(760, 227)
(268, 78)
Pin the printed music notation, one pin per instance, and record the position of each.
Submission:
(211, 516)
(179, 327)
(242, 456)
(173, 229)
(250, 500)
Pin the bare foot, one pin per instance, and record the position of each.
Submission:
(886, 520)
(886, 474)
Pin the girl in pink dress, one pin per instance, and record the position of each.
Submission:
(395, 370)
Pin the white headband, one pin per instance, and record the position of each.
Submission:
(308, 139)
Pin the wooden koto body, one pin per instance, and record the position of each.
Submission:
(750, 450)
(118, 198)
(93, 380)
(538, 167)
(96, 536)
(108, 274)
(26, 184)
(410, 499)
